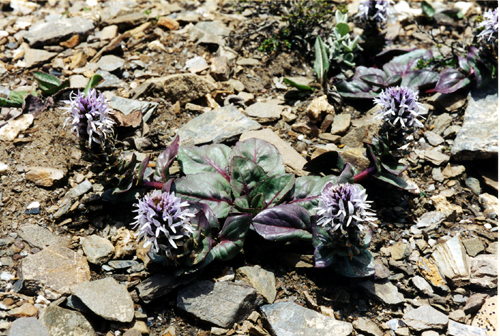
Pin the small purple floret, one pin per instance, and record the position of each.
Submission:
(400, 106)
(162, 221)
(89, 117)
(342, 205)
(490, 24)
(378, 11)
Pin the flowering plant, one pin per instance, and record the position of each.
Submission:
(375, 11)
(489, 25)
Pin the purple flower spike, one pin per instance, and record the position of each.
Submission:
(162, 221)
(343, 205)
(89, 117)
(490, 24)
(400, 106)
(378, 11)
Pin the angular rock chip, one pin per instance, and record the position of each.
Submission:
(15, 126)
(40, 237)
(425, 317)
(452, 261)
(56, 267)
(216, 126)
(184, 87)
(47, 33)
(263, 281)
(97, 249)
(386, 292)
(459, 329)
(60, 321)
(367, 326)
(27, 326)
(220, 303)
(484, 271)
(37, 57)
(44, 176)
(265, 111)
(106, 298)
(288, 318)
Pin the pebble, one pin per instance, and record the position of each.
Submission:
(263, 281)
(97, 249)
(474, 185)
(425, 317)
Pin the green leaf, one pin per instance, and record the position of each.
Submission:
(308, 188)
(93, 82)
(232, 237)
(274, 189)
(427, 9)
(9, 103)
(393, 180)
(321, 63)
(258, 202)
(262, 153)
(283, 223)
(343, 28)
(301, 87)
(55, 89)
(211, 189)
(46, 81)
(208, 158)
(18, 96)
(245, 175)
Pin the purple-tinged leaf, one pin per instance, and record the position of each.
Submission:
(324, 163)
(208, 188)
(242, 204)
(451, 80)
(307, 190)
(374, 79)
(394, 168)
(283, 222)
(125, 182)
(393, 180)
(324, 254)
(392, 80)
(274, 189)
(362, 71)
(347, 175)
(141, 170)
(232, 237)
(165, 160)
(245, 175)
(208, 158)
(418, 78)
(361, 265)
(463, 64)
(262, 153)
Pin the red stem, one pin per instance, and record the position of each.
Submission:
(153, 185)
(364, 174)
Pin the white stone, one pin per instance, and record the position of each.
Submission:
(15, 126)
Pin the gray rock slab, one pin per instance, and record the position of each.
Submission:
(436, 157)
(431, 219)
(422, 285)
(40, 237)
(365, 325)
(433, 138)
(452, 261)
(484, 270)
(478, 138)
(159, 285)
(216, 126)
(47, 33)
(356, 137)
(473, 246)
(60, 321)
(425, 317)
(79, 190)
(214, 27)
(184, 87)
(386, 291)
(127, 106)
(474, 302)
(290, 319)
(263, 281)
(459, 329)
(106, 298)
(220, 303)
(341, 123)
(37, 57)
(27, 326)
(110, 63)
(97, 249)
(110, 81)
(264, 111)
(56, 267)
(474, 185)
(291, 158)
(441, 123)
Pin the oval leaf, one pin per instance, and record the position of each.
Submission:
(418, 78)
(262, 153)
(274, 189)
(245, 175)
(343, 28)
(45, 80)
(301, 87)
(93, 82)
(451, 80)
(321, 62)
(165, 160)
(208, 158)
(308, 188)
(284, 222)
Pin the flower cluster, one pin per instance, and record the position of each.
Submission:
(490, 24)
(89, 117)
(400, 106)
(377, 11)
(163, 221)
(343, 205)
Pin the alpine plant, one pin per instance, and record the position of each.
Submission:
(490, 25)
(89, 117)
(400, 107)
(375, 11)
(163, 222)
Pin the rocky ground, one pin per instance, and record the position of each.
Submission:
(69, 261)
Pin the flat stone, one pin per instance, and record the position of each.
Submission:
(265, 111)
(79, 190)
(44, 176)
(437, 175)
(474, 303)
(40, 237)
(341, 123)
(110, 81)
(127, 106)
(422, 285)
(123, 264)
(49, 33)
(220, 71)
(37, 57)
(26, 310)
(15, 126)
(474, 185)
(247, 61)
(263, 281)
(453, 170)
(473, 246)
(458, 316)
(319, 107)
(291, 158)
(487, 316)
(441, 123)
(451, 131)
(97, 249)
(184, 87)
(288, 318)
(425, 317)
(452, 261)
(78, 81)
(110, 63)
(430, 333)
(386, 292)
(108, 32)
(196, 64)
(307, 128)
(436, 157)
(484, 271)
(492, 248)
(431, 219)
(365, 325)
(381, 271)
(221, 303)
(56, 267)
(60, 321)
(400, 251)
(128, 20)
(459, 329)
(489, 203)
(451, 211)
(106, 298)
(27, 326)
(170, 24)
(216, 126)
(159, 285)
(356, 137)
(4, 169)
(433, 138)
(431, 273)
(478, 138)
(214, 27)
